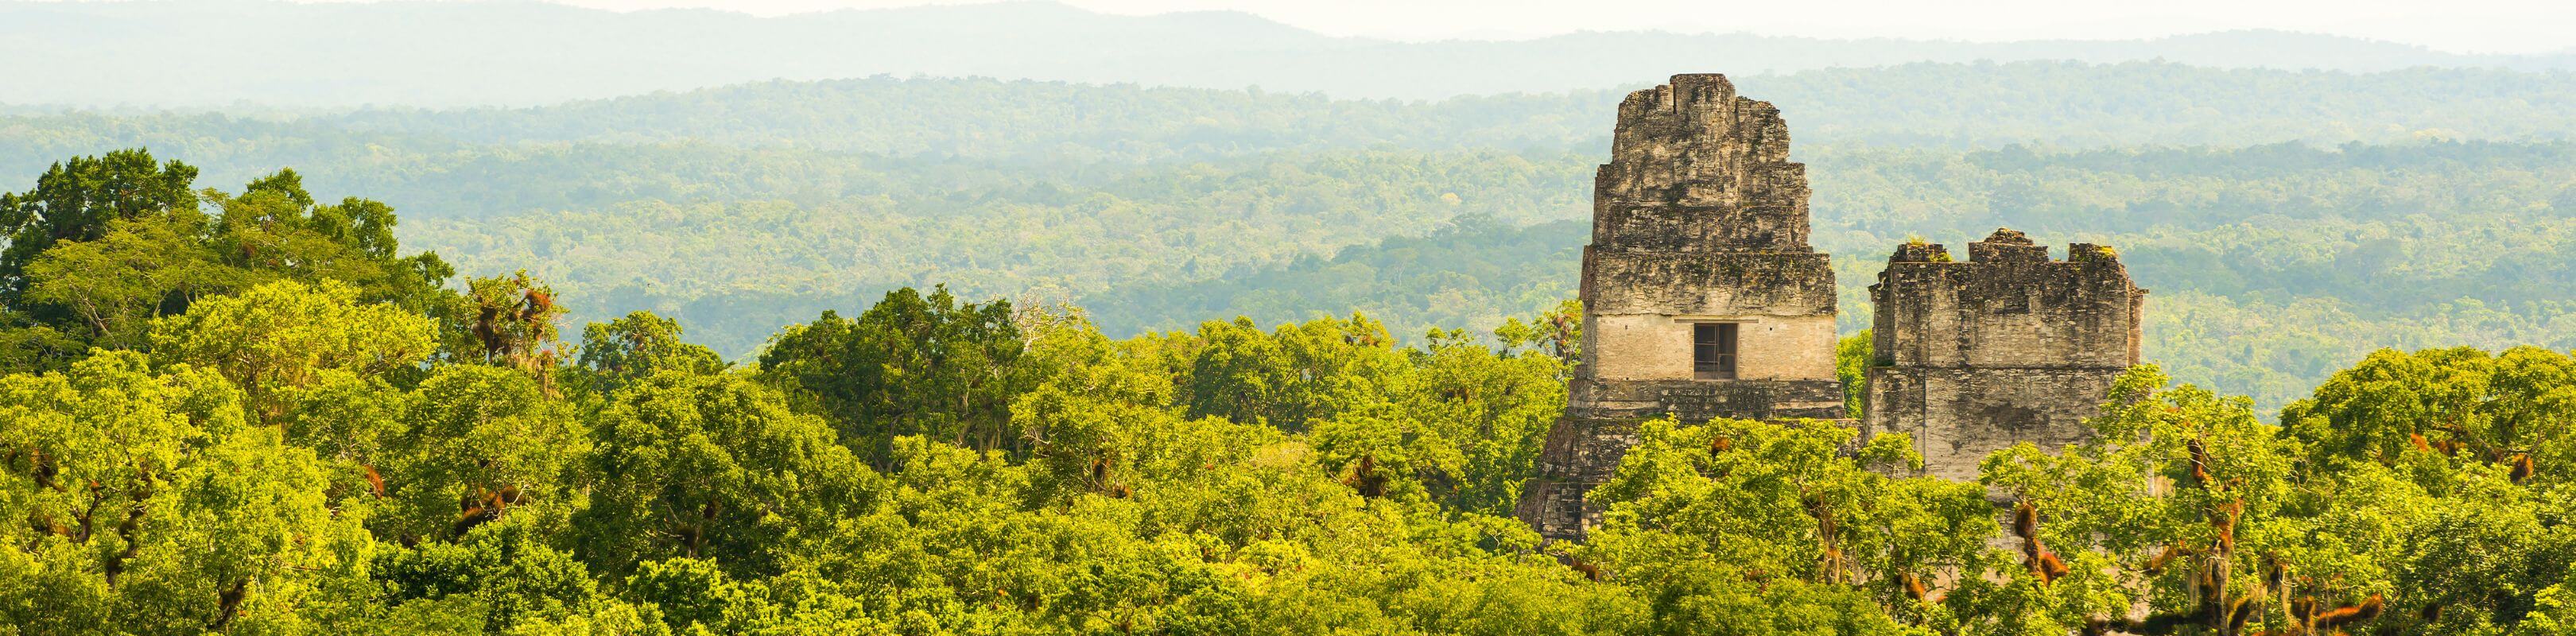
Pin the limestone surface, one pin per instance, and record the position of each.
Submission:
(2009, 346)
(1702, 300)
(1698, 219)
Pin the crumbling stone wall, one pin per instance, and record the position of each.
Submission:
(2009, 346)
(1699, 217)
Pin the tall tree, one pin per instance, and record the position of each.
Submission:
(275, 227)
(77, 200)
(104, 245)
(619, 352)
(909, 365)
(276, 339)
(715, 467)
(152, 506)
(1291, 377)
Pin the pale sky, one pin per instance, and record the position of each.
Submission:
(2460, 26)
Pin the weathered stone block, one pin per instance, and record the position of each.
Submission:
(1642, 346)
(1970, 358)
(1958, 416)
(1681, 283)
(1702, 300)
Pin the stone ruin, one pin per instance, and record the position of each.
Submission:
(2008, 347)
(1701, 297)
(1703, 300)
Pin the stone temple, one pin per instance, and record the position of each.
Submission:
(1702, 300)
(2008, 347)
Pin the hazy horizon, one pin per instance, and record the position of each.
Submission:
(444, 53)
(2466, 27)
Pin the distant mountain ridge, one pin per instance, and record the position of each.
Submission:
(220, 52)
(419, 156)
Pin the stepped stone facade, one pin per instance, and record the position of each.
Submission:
(1701, 297)
(1702, 300)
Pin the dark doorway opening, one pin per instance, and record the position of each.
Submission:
(1713, 350)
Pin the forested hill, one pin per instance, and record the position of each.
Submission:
(1945, 105)
(161, 52)
(796, 140)
(2289, 221)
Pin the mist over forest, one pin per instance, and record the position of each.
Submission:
(265, 53)
(1020, 318)
(2403, 208)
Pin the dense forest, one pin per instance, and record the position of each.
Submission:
(258, 411)
(1019, 318)
(2289, 222)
